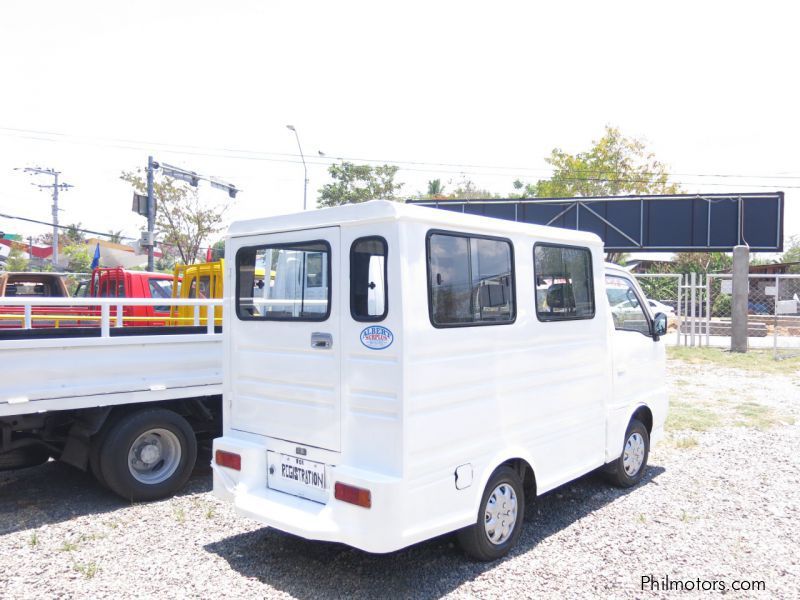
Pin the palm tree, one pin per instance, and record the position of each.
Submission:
(435, 188)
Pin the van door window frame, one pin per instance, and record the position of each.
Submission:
(645, 307)
(512, 275)
(371, 318)
(284, 246)
(544, 318)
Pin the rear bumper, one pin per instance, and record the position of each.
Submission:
(377, 529)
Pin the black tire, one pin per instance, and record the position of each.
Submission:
(615, 471)
(475, 539)
(95, 450)
(179, 450)
(23, 458)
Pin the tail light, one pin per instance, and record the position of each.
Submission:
(228, 459)
(353, 495)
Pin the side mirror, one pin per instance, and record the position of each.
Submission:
(659, 325)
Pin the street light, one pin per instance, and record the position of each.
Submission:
(303, 158)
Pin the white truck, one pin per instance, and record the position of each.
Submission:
(445, 368)
(128, 403)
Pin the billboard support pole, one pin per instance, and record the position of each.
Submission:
(741, 289)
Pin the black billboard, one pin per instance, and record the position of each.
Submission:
(674, 223)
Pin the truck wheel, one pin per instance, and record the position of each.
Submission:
(148, 455)
(22, 458)
(95, 449)
(629, 468)
(500, 516)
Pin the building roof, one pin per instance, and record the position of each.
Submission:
(775, 268)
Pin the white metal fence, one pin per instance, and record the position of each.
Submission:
(107, 313)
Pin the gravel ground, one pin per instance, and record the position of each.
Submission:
(719, 505)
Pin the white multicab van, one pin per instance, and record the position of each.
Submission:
(411, 372)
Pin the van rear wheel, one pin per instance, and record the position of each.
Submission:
(148, 455)
(500, 516)
(629, 468)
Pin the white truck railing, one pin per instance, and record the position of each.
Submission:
(106, 305)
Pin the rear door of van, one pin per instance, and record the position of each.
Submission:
(286, 378)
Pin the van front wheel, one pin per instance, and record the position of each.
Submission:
(629, 468)
(499, 522)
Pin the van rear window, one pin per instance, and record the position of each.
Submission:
(563, 276)
(284, 282)
(470, 280)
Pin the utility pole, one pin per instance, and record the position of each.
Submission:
(55, 186)
(151, 214)
(181, 174)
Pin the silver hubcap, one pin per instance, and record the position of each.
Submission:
(154, 456)
(501, 514)
(633, 456)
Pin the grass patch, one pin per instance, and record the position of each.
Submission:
(180, 514)
(34, 541)
(687, 415)
(69, 546)
(756, 361)
(686, 442)
(88, 570)
(758, 416)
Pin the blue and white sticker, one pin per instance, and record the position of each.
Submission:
(377, 337)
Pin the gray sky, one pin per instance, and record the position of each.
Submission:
(211, 86)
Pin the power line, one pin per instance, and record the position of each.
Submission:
(289, 158)
(66, 227)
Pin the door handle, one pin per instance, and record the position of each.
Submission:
(321, 341)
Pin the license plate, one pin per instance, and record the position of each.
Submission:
(297, 476)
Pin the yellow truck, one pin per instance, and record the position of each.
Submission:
(202, 280)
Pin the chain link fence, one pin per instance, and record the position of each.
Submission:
(773, 307)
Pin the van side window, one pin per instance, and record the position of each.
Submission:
(284, 282)
(368, 287)
(626, 307)
(563, 276)
(470, 280)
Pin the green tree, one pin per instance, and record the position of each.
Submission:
(185, 221)
(792, 254)
(702, 262)
(16, 261)
(115, 237)
(353, 184)
(467, 190)
(218, 250)
(73, 234)
(79, 258)
(614, 165)
(435, 189)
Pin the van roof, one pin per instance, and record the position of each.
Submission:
(386, 210)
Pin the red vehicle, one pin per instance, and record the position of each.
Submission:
(105, 283)
(118, 283)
